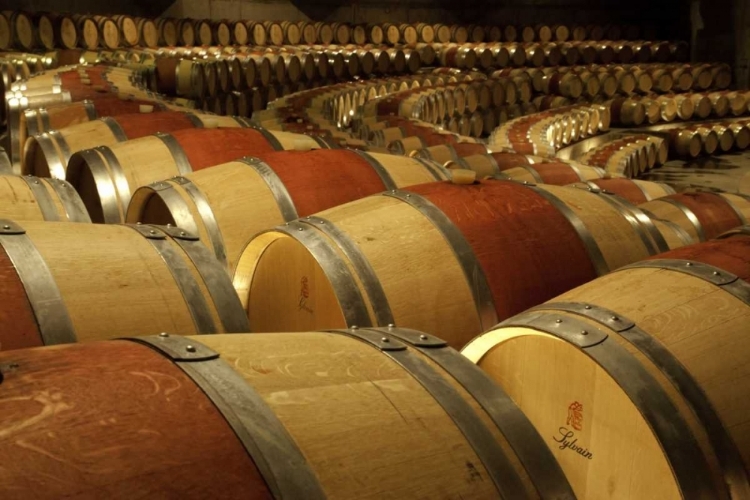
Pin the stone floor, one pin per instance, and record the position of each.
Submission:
(728, 172)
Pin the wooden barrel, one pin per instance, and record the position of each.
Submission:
(168, 32)
(109, 32)
(64, 30)
(427, 227)
(88, 31)
(703, 215)
(275, 33)
(425, 32)
(222, 33)
(44, 119)
(47, 155)
(459, 34)
(161, 401)
(128, 29)
(45, 30)
(228, 204)
(633, 190)
(182, 77)
(148, 34)
(186, 35)
(22, 30)
(203, 32)
(30, 198)
(53, 295)
(257, 34)
(442, 33)
(240, 33)
(6, 31)
(324, 33)
(555, 173)
(640, 367)
(106, 177)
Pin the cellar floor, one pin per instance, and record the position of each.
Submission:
(713, 173)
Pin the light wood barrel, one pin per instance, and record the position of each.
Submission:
(106, 177)
(54, 295)
(640, 367)
(47, 155)
(449, 152)
(168, 32)
(6, 31)
(182, 77)
(253, 443)
(88, 31)
(230, 203)
(634, 190)
(30, 198)
(148, 33)
(22, 29)
(703, 215)
(555, 173)
(129, 33)
(203, 32)
(44, 119)
(222, 33)
(576, 236)
(36, 121)
(45, 30)
(109, 32)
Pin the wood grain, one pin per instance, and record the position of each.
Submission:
(731, 255)
(558, 174)
(114, 420)
(625, 188)
(317, 180)
(18, 326)
(17, 201)
(712, 210)
(618, 241)
(363, 423)
(207, 147)
(507, 223)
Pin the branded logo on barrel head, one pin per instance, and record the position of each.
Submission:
(575, 415)
(566, 437)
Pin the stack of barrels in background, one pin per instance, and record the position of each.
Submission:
(323, 260)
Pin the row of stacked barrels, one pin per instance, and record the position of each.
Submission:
(238, 233)
(476, 105)
(44, 30)
(220, 77)
(465, 101)
(469, 100)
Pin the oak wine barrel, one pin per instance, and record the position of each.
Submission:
(29, 198)
(168, 32)
(106, 177)
(57, 116)
(399, 260)
(78, 282)
(634, 190)
(36, 121)
(642, 367)
(47, 155)
(556, 173)
(703, 215)
(228, 204)
(244, 394)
